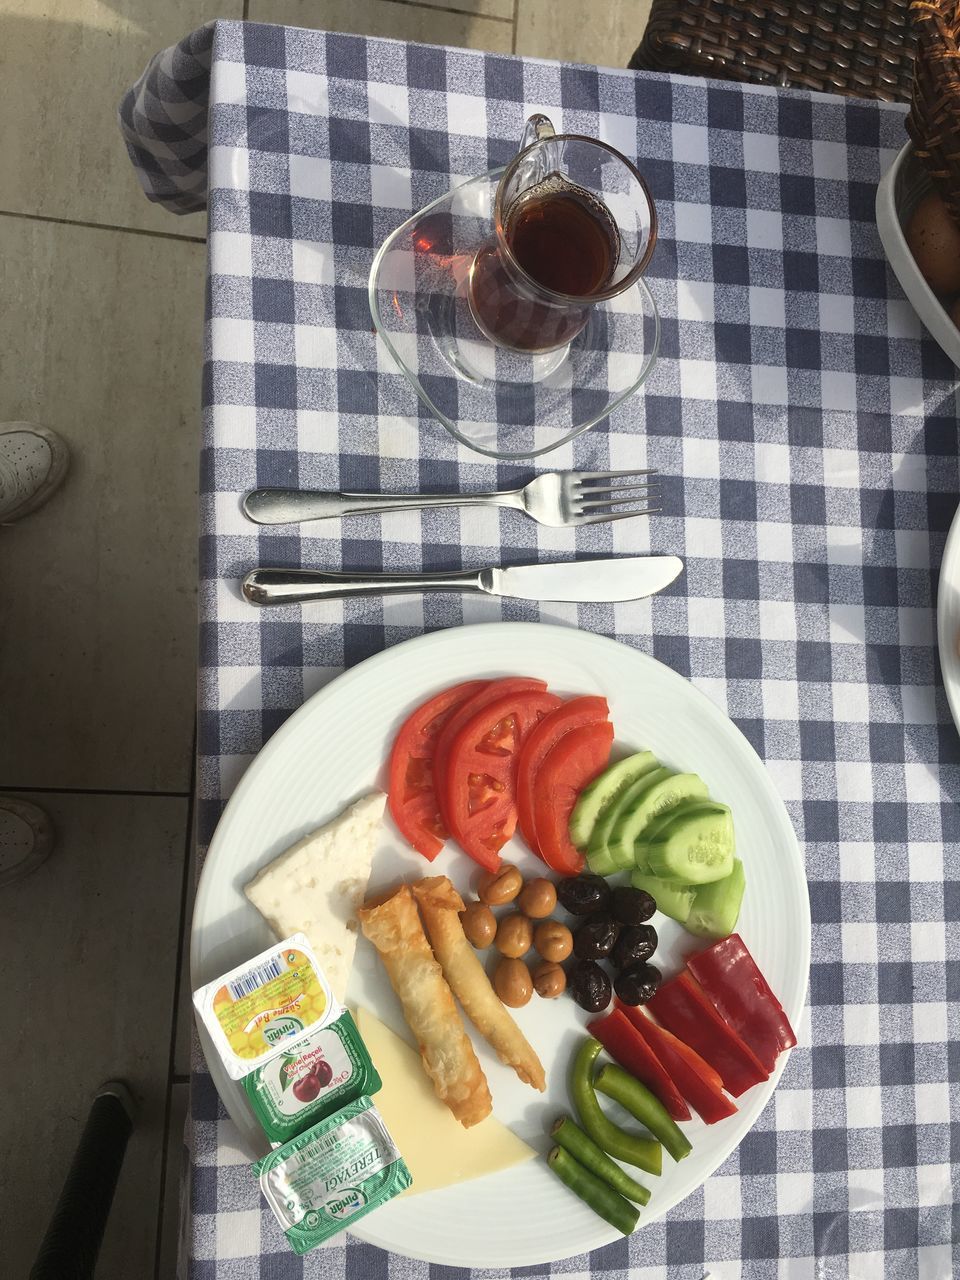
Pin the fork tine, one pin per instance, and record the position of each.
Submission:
(617, 500)
(607, 517)
(620, 493)
(599, 486)
(582, 476)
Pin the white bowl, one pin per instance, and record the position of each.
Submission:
(901, 189)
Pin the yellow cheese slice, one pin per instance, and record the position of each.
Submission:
(438, 1150)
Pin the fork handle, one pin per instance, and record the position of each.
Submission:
(289, 506)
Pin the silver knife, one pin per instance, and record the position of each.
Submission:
(585, 581)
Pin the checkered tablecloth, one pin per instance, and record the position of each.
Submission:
(807, 430)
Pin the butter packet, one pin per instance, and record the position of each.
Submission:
(311, 1079)
(256, 1010)
(331, 1176)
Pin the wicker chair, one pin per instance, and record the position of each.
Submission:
(861, 48)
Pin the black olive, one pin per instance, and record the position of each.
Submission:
(632, 906)
(582, 895)
(636, 943)
(590, 986)
(594, 939)
(637, 985)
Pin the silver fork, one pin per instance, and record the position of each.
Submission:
(556, 498)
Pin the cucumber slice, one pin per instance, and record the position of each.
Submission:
(674, 900)
(603, 791)
(600, 863)
(658, 827)
(716, 906)
(598, 849)
(696, 849)
(637, 813)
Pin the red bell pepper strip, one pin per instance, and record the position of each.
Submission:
(694, 1078)
(683, 1009)
(739, 992)
(626, 1045)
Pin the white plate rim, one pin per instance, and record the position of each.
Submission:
(948, 617)
(793, 1001)
(930, 310)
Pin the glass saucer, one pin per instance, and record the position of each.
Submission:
(502, 403)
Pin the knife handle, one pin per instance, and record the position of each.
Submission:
(290, 586)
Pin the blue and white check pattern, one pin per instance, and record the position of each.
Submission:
(806, 428)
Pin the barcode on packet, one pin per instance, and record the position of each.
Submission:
(254, 978)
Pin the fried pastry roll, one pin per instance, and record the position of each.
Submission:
(440, 905)
(392, 924)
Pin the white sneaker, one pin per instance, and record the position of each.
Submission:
(33, 462)
(26, 837)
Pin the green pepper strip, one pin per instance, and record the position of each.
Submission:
(602, 1199)
(582, 1147)
(648, 1109)
(645, 1153)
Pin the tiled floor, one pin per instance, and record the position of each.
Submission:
(100, 338)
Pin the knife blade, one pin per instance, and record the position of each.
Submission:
(583, 581)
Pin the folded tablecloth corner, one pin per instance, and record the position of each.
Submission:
(163, 119)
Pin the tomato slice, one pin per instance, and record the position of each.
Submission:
(491, 690)
(410, 790)
(569, 766)
(572, 715)
(480, 786)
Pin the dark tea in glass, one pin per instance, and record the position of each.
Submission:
(564, 238)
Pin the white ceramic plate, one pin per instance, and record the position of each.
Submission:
(948, 618)
(333, 750)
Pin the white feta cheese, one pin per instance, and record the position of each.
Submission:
(316, 886)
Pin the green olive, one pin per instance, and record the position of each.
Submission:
(500, 887)
(553, 940)
(512, 983)
(479, 924)
(549, 980)
(514, 936)
(537, 898)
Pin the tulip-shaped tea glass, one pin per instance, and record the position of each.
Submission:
(574, 225)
